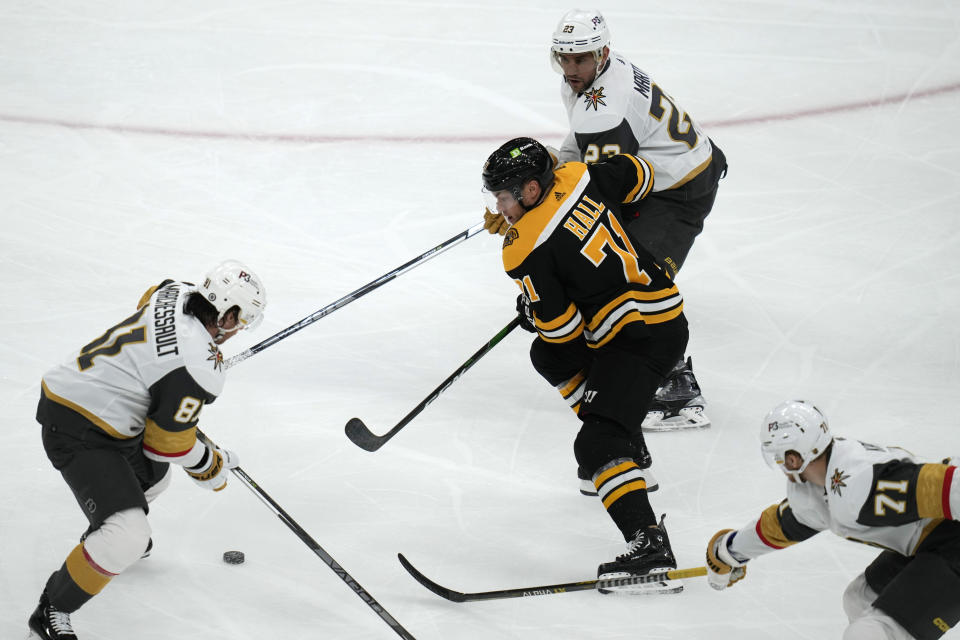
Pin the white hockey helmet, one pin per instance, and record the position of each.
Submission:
(579, 31)
(795, 425)
(231, 284)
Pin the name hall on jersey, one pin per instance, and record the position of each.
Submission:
(587, 212)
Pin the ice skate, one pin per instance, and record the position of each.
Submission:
(678, 403)
(47, 623)
(648, 552)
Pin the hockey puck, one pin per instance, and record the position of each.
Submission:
(233, 557)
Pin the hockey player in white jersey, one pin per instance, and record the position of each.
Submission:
(880, 496)
(116, 413)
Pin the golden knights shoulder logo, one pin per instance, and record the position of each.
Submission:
(216, 357)
(510, 236)
(837, 481)
(594, 98)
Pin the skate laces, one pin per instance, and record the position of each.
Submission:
(638, 544)
(678, 386)
(59, 621)
(684, 382)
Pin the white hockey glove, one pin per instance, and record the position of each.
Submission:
(723, 570)
(211, 471)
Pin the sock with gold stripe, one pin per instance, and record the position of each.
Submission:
(622, 489)
(77, 580)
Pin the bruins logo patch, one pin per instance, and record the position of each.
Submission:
(510, 236)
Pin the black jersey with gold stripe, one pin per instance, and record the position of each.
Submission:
(573, 258)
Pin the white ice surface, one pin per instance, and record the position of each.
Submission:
(327, 143)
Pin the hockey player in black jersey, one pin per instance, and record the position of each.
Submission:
(614, 107)
(119, 411)
(880, 496)
(609, 321)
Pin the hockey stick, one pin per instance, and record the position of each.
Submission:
(316, 548)
(547, 589)
(353, 295)
(361, 436)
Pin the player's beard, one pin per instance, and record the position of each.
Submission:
(575, 83)
(584, 82)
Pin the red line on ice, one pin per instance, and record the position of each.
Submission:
(453, 139)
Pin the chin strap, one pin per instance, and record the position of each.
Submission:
(223, 334)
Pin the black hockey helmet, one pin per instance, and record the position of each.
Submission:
(515, 163)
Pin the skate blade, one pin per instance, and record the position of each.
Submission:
(657, 589)
(687, 418)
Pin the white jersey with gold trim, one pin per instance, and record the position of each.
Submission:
(151, 372)
(880, 496)
(624, 111)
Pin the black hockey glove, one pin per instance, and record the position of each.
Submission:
(526, 314)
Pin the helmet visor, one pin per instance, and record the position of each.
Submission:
(773, 456)
(503, 201)
(249, 320)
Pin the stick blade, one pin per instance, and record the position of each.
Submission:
(361, 436)
(443, 592)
